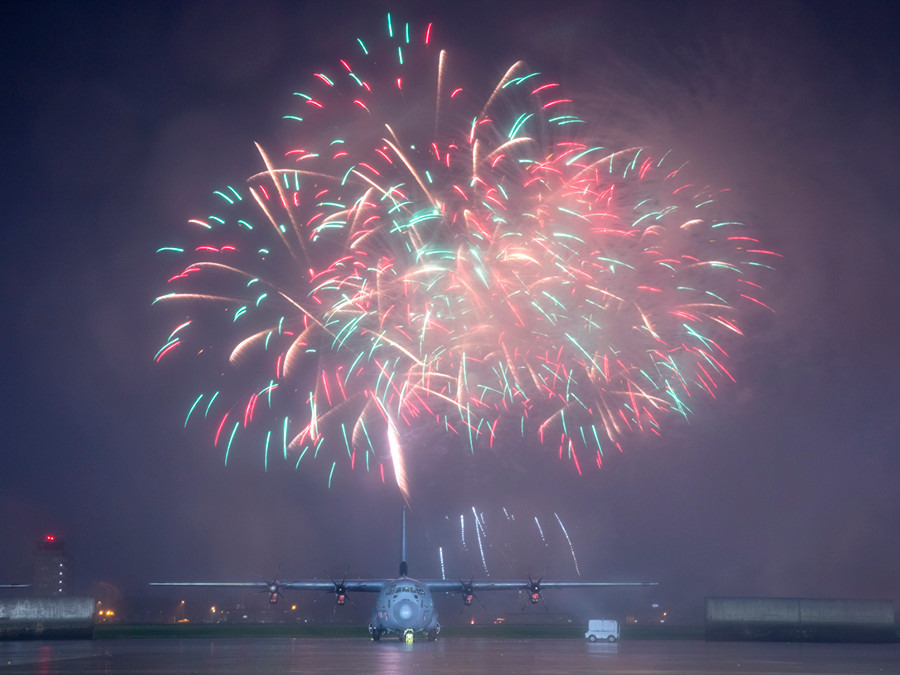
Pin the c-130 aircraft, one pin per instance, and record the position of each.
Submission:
(405, 606)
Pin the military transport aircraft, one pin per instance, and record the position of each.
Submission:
(405, 606)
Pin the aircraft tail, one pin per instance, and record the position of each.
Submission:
(404, 570)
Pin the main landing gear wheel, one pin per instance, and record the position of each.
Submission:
(408, 636)
(376, 634)
(432, 635)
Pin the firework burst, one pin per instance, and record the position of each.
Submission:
(423, 255)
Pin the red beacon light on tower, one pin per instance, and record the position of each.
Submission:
(50, 542)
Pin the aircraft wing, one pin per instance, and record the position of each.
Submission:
(349, 585)
(355, 585)
(533, 587)
(449, 586)
(274, 588)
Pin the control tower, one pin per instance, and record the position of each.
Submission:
(52, 568)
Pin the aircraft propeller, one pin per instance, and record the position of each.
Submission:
(273, 588)
(534, 592)
(340, 589)
(468, 591)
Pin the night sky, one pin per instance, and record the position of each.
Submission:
(121, 118)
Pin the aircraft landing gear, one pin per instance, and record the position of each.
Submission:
(376, 634)
(408, 636)
(432, 635)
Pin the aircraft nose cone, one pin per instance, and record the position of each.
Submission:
(404, 610)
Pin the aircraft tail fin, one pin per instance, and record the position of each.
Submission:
(404, 570)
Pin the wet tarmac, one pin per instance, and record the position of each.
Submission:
(451, 655)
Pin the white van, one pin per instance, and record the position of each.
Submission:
(602, 629)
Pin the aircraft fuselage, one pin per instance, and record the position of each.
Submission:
(402, 606)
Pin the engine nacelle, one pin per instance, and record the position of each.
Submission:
(340, 593)
(273, 589)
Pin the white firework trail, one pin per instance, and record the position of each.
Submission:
(479, 531)
(540, 530)
(571, 548)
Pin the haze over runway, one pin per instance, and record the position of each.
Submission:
(121, 121)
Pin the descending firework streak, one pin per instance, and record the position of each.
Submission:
(426, 256)
(527, 531)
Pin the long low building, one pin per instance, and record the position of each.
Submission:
(46, 618)
(800, 620)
